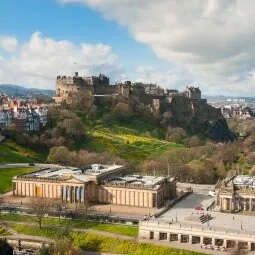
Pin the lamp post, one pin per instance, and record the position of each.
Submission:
(241, 225)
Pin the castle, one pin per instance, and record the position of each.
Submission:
(147, 94)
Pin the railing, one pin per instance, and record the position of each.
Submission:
(194, 229)
(173, 203)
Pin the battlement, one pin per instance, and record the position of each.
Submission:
(69, 84)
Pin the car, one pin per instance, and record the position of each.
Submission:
(199, 209)
(209, 247)
(31, 164)
(212, 193)
(216, 248)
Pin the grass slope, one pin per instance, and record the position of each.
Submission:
(3, 232)
(94, 242)
(10, 152)
(6, 175)
(112, 228)
(134, 140)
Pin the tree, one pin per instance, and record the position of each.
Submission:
(40, 207)
(72, 127)
(60, 208)
(64, 246)
(82, 101)
(122, 111)
(58, 155)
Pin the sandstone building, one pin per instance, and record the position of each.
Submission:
(236, 193)
(97, 183)
(139, 92)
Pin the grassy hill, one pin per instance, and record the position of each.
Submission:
(11, 152)
(134, 139)
(7, 174)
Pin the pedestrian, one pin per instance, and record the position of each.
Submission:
(233, 217)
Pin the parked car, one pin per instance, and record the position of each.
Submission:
(209, 247)
(223, 248)
(216, 248)
(199, 209)
(31, 164)
(212, 193)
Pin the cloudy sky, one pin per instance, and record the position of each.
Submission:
(210, 43)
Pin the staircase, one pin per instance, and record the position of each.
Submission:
(205, 218)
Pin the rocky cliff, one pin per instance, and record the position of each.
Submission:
(197, 117)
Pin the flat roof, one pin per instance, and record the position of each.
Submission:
(244, 181)
(138, 180)
(80, 173)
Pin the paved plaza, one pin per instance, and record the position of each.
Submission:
(184, 213)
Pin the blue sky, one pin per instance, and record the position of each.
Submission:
(204, 41)
(76, 23)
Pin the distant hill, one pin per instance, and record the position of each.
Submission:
(19, 91)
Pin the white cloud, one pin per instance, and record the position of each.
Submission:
(41, 59)
(214, 38)
(8, 43)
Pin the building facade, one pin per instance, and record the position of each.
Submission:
(236, 193)
(97, 183)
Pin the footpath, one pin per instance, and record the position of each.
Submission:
(190, 247)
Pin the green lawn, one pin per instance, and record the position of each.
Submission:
(112, 228)
(93, 242)
(6, 175)
(8, 155)
(3, 232)
(134, 140)
(11, 152)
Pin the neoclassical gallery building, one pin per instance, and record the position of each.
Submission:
(98, 183)
(236, 193)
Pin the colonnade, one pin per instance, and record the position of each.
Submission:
(72, 194)
(241, 203)
(67, 193)
(202, 240)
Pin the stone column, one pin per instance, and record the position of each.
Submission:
(201, 240)
(64, 194)
(225, 243)
(179, 238)
(250, 204)
(213, 241)
(168, 236)
(190, 239)
(230, 204)
(233, 204)
(249, 246)
(156, 235)
(244, 205)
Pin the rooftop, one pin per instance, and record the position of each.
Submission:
(80, 173)
(138, 181)
(244, 181)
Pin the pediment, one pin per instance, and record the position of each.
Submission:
(74, 180)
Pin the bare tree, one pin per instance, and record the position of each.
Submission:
(40, 206)
(60, 208)
(64, 246)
